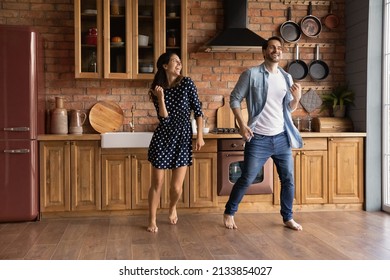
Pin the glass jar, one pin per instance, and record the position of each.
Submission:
(171, 41)
(92, 65)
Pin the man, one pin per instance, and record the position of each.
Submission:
(271, 96)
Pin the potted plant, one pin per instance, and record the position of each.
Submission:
(337, 100)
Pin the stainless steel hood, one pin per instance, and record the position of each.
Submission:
(235, 37)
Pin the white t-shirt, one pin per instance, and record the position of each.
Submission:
(271, 120)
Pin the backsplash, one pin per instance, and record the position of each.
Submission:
(215, 74)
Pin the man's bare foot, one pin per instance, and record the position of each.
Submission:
(173, 216)
(293, 225)
(152, 227)
(228, 221)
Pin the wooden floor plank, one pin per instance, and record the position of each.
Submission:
(327, 235)
(68, 250)
(41, 252)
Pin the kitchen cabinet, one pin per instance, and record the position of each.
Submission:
(126, 179)
(310, 173)
(203, 180)
(327, 171)
(116, 182)
(345, 170)
(69, 176)
(122, 39)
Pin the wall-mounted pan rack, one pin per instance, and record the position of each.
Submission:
(309, 45)
(297, 2)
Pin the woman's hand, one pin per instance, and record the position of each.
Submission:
(159, 92)
(199, 143)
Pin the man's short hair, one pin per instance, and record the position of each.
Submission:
(280, 39)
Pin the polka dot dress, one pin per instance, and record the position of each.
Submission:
(171, 144)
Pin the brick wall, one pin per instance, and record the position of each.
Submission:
(215, 74)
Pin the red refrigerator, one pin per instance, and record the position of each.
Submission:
(22, 115)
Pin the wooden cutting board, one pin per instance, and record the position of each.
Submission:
(225, 116)
(106, 116)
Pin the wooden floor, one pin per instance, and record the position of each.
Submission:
(341, 235)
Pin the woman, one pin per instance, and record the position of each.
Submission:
(174, 97)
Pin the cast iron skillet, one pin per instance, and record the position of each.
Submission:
(310, 25)
(298, 69)
(290, 30)
(318, 69)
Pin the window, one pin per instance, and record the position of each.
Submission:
(386, 109)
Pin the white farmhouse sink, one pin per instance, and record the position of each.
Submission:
(126, 139)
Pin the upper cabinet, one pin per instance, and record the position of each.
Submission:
(122, 39)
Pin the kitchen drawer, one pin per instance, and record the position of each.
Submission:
(315, 144)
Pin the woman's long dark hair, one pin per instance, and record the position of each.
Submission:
(160, 78)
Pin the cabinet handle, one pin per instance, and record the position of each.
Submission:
(134, 156)
(22, 128)
(17, 151)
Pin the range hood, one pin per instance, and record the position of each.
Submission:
(235, 37)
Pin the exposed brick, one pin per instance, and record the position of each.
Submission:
(215, 74)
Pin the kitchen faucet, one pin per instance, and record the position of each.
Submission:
(132, 124)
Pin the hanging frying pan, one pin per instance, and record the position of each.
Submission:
(310, 25)
(298, 69)
(290, 30)
(318, 69)
(331, 21)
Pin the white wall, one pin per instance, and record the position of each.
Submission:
(364, 74)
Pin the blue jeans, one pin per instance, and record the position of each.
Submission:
(257, 152)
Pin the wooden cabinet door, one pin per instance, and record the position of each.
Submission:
(85, 175)
(203, 180)
(116, 182)
(346, 170)
(54, 176)
(117, 22)
(88, 16)
(314, 187)
(141, 174)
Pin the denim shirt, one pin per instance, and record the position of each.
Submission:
(253, 86)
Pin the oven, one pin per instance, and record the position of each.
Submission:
(230, 160)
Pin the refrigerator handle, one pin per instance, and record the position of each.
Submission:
(17, 151)
(22, 128)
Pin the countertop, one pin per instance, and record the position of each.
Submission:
(74, 137)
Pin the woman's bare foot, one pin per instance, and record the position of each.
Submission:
(152, 227)
(228, 221)
(173, 216)
(293, 225)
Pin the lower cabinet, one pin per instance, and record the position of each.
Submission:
(346, 170)
(69, 176)
(126, 179)
(310, 173)
(327, 170)
(203, 180)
